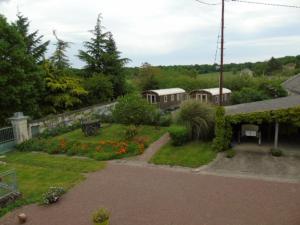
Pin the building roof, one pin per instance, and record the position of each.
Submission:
(216, 91)
(263, 106)
(169, 91)
(293, 84)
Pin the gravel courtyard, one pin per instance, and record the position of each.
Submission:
(139, 195)
(256, 161)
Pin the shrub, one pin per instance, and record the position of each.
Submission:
(198, 118)
(30, 145)
(230, 153)
(133, 109)
(101, 217)
(130, 132)
(53, 195)
(276, 152)
(179, 135)
(223, 131)
(165, 120)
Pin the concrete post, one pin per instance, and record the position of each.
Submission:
(19, 124)
(276, 135)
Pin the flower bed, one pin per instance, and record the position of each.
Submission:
(104, 146)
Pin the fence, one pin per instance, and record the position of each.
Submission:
(7, 139)
(8, 187)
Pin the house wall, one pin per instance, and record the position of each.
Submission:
(210, 98)
(169, 104)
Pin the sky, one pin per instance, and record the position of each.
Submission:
(167, 32)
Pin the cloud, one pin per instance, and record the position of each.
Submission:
(163, 31)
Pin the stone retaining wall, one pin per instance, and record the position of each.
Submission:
(68, 118)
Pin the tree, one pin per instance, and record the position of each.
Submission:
(198, 118)
(100, 89)
(95, 49)
(59, 58)
(248, 95)
(133, 109)
(21, 82)
(113, 66)
(63, 91)
(101, 56)
(148, 77)
(274, 65)
(34, 43)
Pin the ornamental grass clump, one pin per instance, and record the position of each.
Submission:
(101, 217)
(53, 195)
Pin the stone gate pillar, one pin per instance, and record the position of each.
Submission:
(19, 124)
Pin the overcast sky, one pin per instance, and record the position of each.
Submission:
(168, 32)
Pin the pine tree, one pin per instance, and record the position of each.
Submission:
(59, 57)
(21, 81)
(113, 66)
(95, 49)
(34, 43)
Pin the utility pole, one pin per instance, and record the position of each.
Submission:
(222, 56)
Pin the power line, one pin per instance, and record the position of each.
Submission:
(216, 53)
(264, 3)
(206, 3)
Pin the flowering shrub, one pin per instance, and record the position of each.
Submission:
(130, 132)
(101, 216)
(53, 195)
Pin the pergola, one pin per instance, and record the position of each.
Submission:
(273, 110)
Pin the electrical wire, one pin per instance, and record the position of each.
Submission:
(264, 3)
(217, 48)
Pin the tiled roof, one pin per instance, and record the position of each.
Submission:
(293, 84)
(169, 91)
(262, 106)
(216, 91)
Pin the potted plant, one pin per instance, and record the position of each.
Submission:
(101, 217)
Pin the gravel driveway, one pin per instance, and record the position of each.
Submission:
(138, 195)
(254, 160)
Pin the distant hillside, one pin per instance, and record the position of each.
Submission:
(290, 65)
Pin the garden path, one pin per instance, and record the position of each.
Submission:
(153, 148)
(148, 153)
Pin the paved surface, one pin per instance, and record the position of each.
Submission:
(156, 196)
(254, 160)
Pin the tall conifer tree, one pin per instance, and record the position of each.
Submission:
(34, 42)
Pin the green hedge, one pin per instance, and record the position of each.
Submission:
(179, 135)
(223, 131)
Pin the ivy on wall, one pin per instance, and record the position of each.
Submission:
(223, 125)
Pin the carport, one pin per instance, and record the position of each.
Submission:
(269, 113)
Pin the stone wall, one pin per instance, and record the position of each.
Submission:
(68, 118)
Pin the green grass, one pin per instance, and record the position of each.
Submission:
(110, 143)
(114, 132)
(36, 172)
(193, 154)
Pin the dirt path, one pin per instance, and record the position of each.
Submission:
(153, 148)
(155, 196)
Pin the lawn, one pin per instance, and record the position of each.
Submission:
(36, 172)
(110, 142)
(193, 154)
(114, 132)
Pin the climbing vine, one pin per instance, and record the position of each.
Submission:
(223, 125)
